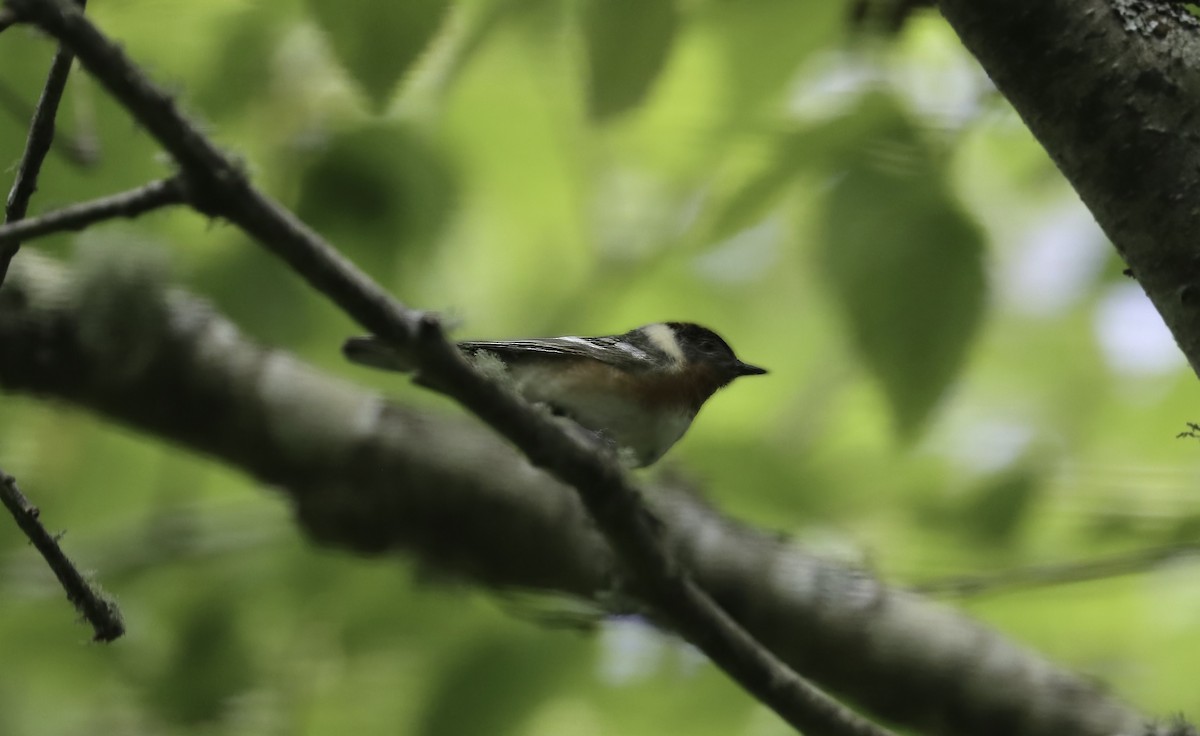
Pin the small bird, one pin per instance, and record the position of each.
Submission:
(640, 390)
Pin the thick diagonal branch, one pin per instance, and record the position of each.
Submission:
(1108, 87)
(378, 478)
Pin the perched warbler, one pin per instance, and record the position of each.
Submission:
(640, 390)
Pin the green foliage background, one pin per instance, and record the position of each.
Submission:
(961, 380)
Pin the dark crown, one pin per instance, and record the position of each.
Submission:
(702, 344)
(693, 337)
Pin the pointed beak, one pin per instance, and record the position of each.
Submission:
(745, 369)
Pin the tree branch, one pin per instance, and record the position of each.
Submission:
(41, 135)
(1038, 576)
(470, 506)
(132, 203)
(101, 612)
(219, 188)
(79, 149)
(1106, 87)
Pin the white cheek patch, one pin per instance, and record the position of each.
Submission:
(663, 338)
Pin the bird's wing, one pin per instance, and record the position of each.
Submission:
(611, 350)
(370, 351)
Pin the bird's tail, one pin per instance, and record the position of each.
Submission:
(373, 352)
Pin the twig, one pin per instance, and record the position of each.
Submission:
(80, 149)
(1068, 572)
(100, 611)
(41, 135)
(219, 188)
(156, 194)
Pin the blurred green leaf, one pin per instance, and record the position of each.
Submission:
(628, 43)
(210, 665)
(1001, 503)
(758, 67)
(241, 73)
(1115, 526)
(498, 681)
(378, 42)
(821, 149)
(1185, 529)
(379, 192)
(905, 265)
(268, 304)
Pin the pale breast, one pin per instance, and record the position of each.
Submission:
(601, 406)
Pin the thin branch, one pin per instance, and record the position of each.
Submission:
(100, 611)
(220, 188)
(155, 195)
(79, 149)
(1040, 576)
(41, 135)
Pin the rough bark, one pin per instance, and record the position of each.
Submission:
(1109, 88)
